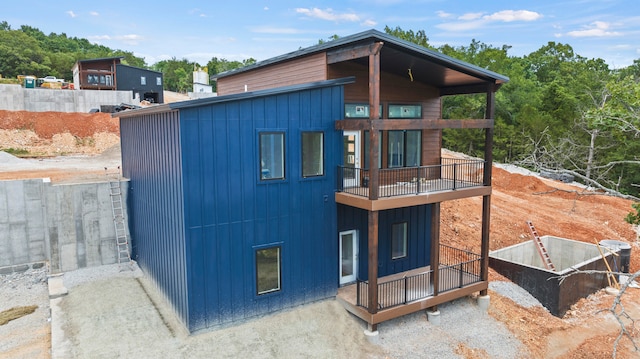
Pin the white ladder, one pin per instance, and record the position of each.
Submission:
(115, 191)
(541, 249)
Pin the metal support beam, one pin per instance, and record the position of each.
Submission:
(373, 262)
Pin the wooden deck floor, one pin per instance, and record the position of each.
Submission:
(449, 289)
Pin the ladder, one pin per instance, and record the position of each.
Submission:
(541, 249)
(115, 192)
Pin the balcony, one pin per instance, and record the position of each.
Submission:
(459, 274)
(464, 176)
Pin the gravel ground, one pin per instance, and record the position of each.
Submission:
(115, 311)
(28, 336)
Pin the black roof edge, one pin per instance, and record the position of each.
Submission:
(140, 68)
(234, 97)
(262, 93)
(374, 35)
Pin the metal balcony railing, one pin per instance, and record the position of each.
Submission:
(457, 269)
(452, 174)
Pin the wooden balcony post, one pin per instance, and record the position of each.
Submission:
(486, 200)
(488, 138)
(373, 262)
(374, 114)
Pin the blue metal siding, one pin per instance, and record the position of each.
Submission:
(151, 160)
(418, 220)
(229, 211)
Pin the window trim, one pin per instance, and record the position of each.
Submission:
(302, 158)
(255, 258)
(143, 81)
(405, 240)
(399, 107)
(261, 178)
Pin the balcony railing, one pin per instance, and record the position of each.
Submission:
(452, 174)
(457, 269)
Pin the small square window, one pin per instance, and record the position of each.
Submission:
(158, 81)
(271, 156)
(399, 240)
(143, 80)
(312, 154)
(268, 276)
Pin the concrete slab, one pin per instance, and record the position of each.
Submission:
(56, 286)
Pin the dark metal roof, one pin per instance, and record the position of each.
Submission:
(235, 97)
(397, 56)
(102, 59)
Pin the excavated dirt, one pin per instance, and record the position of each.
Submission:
(555, 208)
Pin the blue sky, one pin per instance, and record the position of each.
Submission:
(236, 30)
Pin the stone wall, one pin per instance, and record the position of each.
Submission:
(70, 226)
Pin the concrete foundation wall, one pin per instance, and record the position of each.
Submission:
(17, 98)
(564, 253)
(70, 226)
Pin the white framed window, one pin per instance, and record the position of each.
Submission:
(399, 240)
(143, 80)
(268, 274)
(312, 154)
(159, 81)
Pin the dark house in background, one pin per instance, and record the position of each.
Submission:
(110, 74)
(315, 174)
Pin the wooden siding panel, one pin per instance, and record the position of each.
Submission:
(311, 68)
(394, 89)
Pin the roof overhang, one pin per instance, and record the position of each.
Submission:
(398, 57)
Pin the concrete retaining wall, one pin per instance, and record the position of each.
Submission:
(70, 226)
(17, 98)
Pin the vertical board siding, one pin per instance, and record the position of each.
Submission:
(311, 68)
(151, 160)
(229, 212)
(418, 243)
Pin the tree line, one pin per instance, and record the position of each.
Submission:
(559, 111)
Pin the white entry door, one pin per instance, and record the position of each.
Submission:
(351, 151)
(348, 257)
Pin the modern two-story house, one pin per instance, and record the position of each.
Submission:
(312, 175)
(110, 74)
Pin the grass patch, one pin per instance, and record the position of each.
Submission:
(18, 152)
(15, 313)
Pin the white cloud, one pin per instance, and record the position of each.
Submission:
(98, 38)
(513, 15)
(71, 13)
(443, 15)
(461, 25)
(328, 14)
(369, 23)
(475, 20)
(131, 39)
(94, 13)
(470, 16)
(595, 29)
(266, 8)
